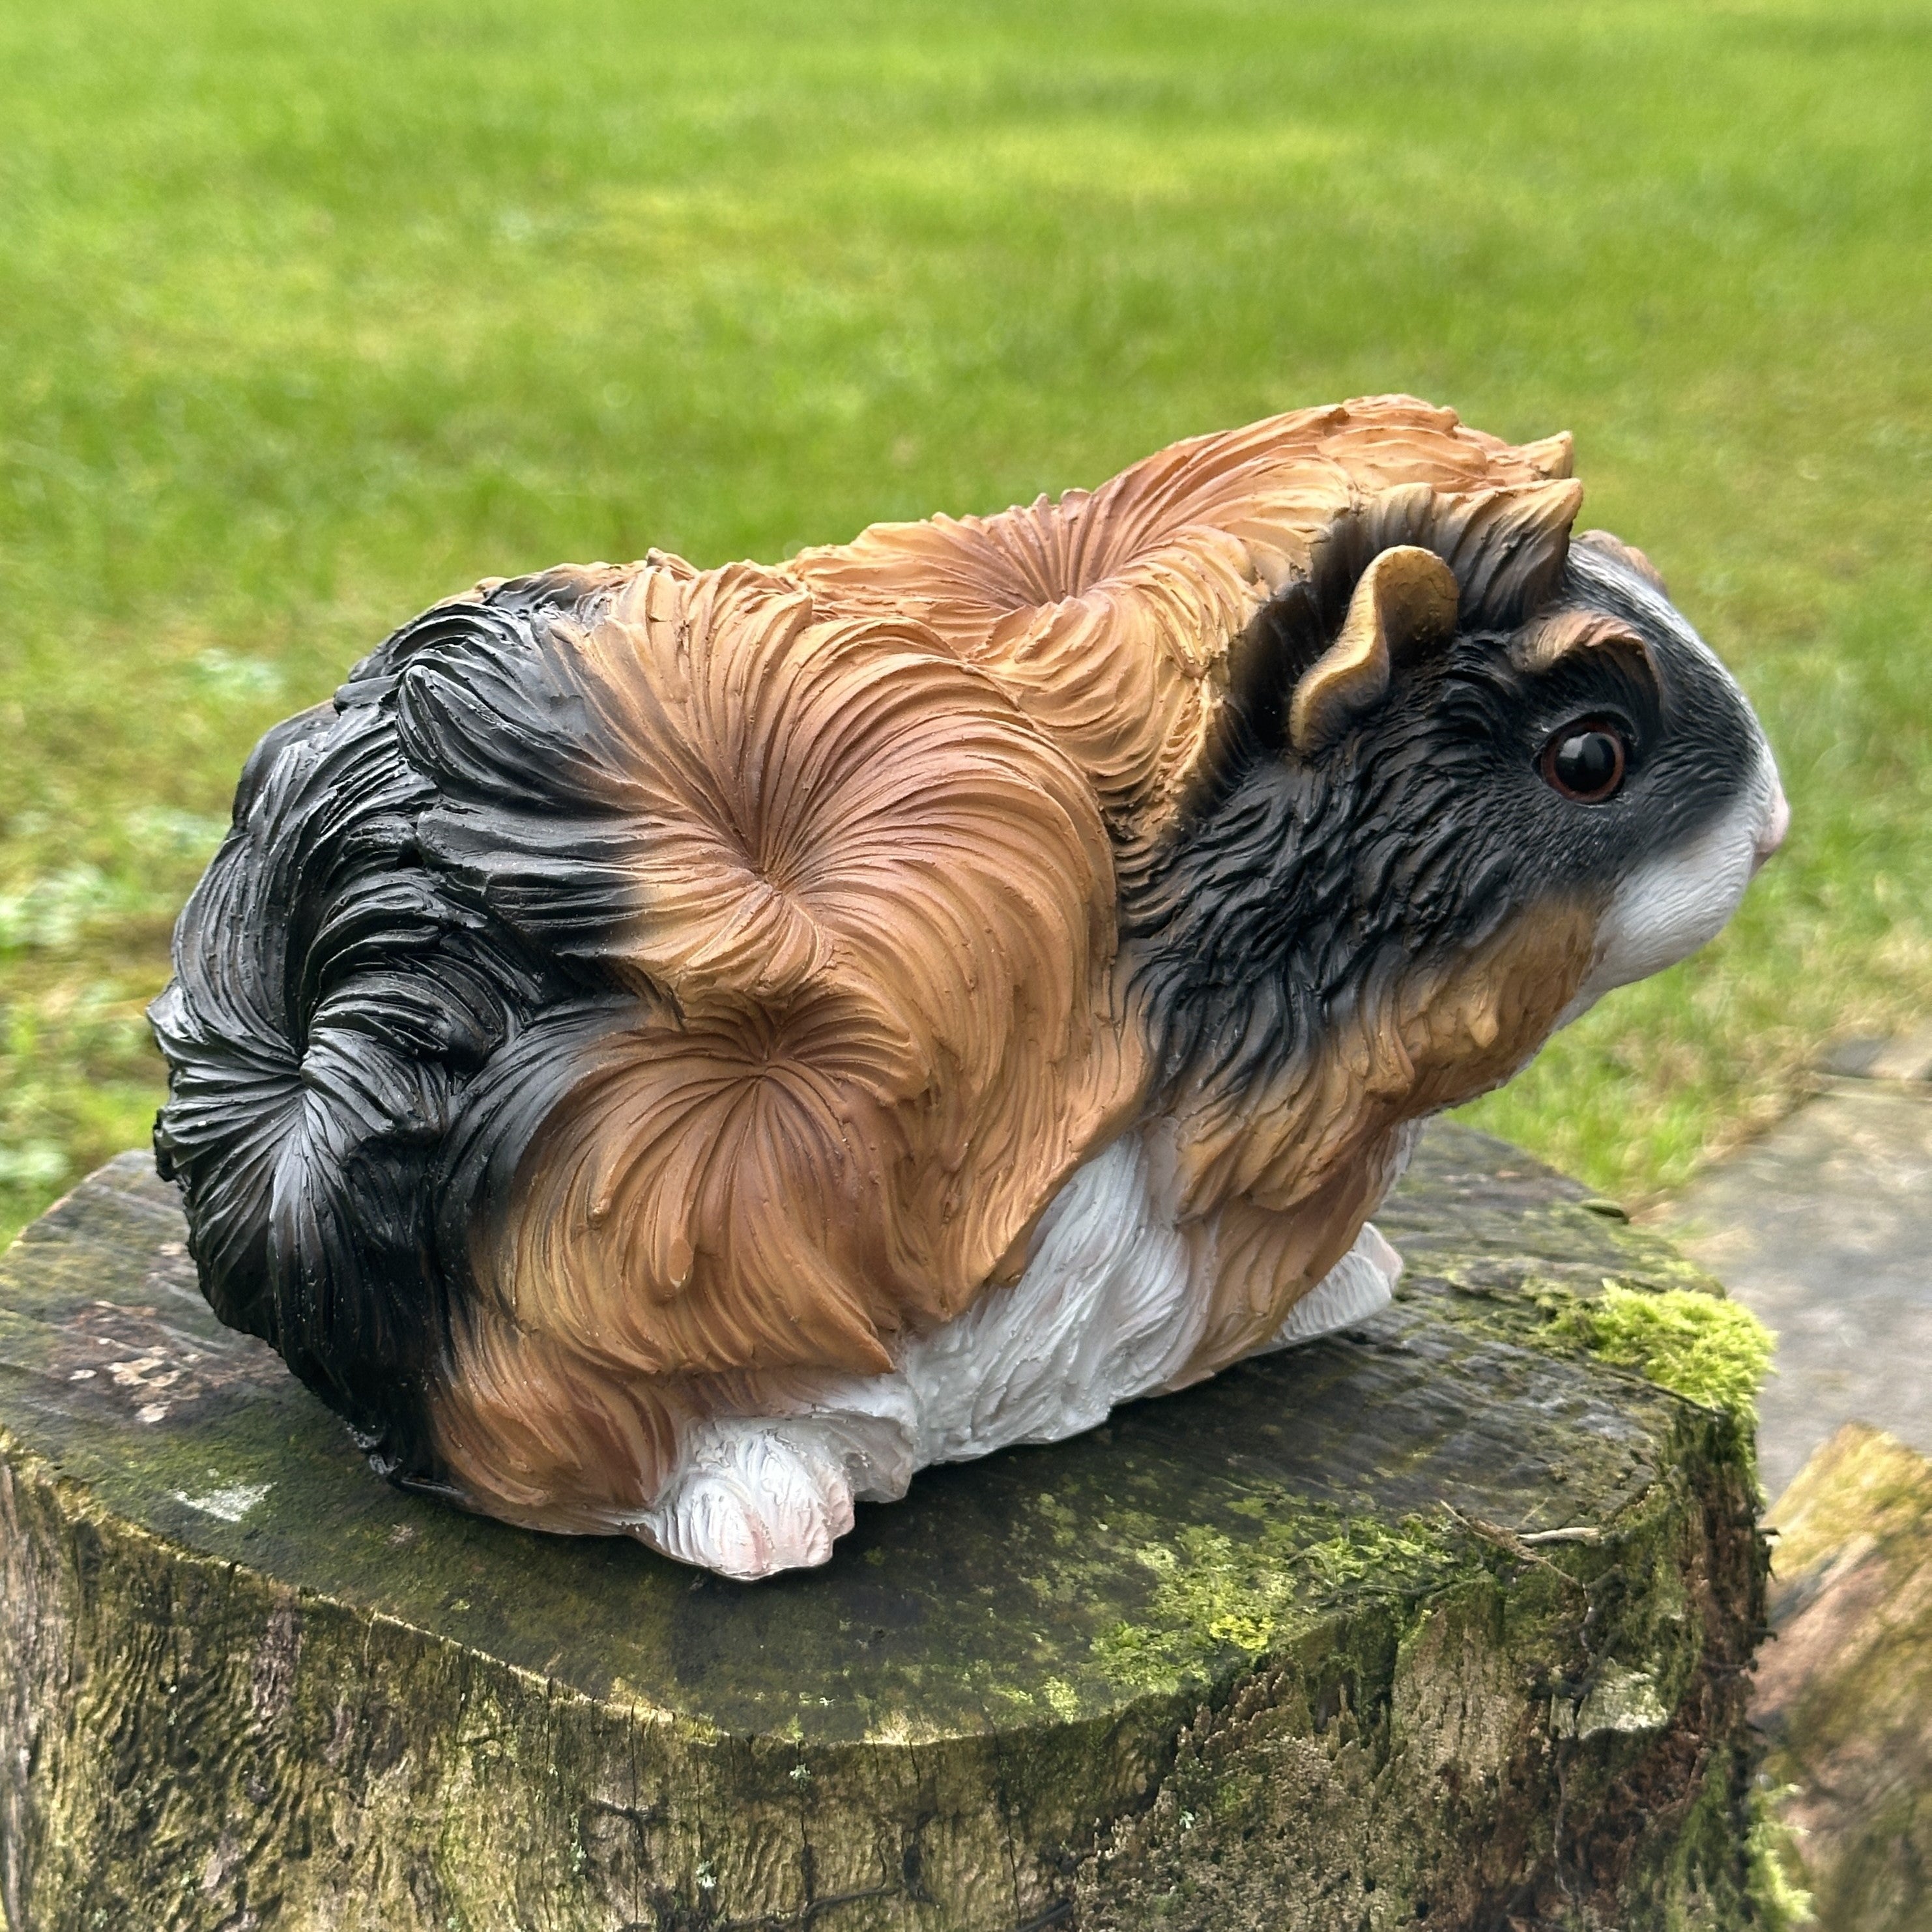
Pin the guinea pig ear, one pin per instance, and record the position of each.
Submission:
(1626, 554)
(1405, 601)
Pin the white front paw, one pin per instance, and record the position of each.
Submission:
(747, 1504)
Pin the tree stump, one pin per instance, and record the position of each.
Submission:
(1443, 1622)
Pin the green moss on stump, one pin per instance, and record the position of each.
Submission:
(1431, 1624)
(1710, 1352)
(1212, 1595)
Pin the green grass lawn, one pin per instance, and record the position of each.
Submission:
(311, 314)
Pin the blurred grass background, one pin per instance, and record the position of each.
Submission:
(310, 315)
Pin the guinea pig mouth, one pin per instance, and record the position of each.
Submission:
(1678, 902)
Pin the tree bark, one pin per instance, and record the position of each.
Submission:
(1844, 1695)
(1441, 1622)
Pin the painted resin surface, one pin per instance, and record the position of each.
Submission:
(674, 1052)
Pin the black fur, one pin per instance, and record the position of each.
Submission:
(375, 996)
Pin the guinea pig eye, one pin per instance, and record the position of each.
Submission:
(1584, 761)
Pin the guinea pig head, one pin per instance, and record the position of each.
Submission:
(1660, 798)
(1472, 775)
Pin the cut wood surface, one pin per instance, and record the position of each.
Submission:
(1442, 1621)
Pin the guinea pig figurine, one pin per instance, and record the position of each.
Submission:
(670, 1052)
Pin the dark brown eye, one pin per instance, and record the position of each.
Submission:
(1584, 761)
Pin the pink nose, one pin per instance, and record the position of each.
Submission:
(1771, 836)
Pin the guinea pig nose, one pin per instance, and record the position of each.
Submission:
(1771, 834)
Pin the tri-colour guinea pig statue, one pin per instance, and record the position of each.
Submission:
(673, 1051)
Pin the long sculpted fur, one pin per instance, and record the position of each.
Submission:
(647, 997)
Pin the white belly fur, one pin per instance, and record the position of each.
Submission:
(1109, 1308)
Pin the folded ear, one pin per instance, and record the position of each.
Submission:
(1405, 601)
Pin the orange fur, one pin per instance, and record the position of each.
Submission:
(1286, 1176)
(874, 937)
(536, 1433)
(1110, 616)
(877, 907)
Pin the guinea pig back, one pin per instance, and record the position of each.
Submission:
(673, 1051)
